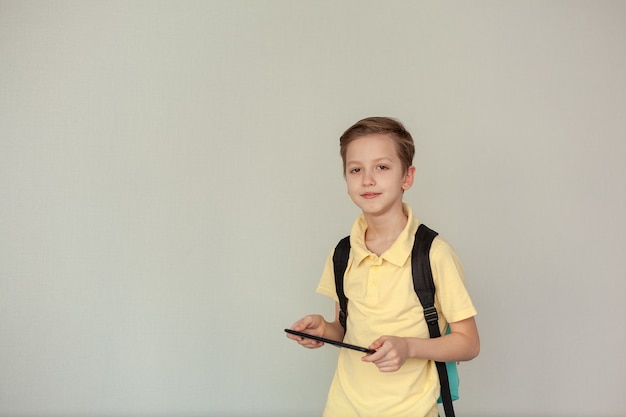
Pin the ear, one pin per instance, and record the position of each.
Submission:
(409, 177)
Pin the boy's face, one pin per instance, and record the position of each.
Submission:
(374, 174)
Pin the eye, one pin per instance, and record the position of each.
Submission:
(355, 170)
(383, 167)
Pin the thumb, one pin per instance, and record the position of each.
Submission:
(376, 344)
(307, 322)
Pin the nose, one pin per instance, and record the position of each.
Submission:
(368, 179)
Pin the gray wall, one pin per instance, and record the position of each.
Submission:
(170, 186)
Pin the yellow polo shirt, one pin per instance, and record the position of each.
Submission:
(382, 301)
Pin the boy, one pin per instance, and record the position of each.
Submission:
(384, 314)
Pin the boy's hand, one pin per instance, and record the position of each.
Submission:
(313, 324)
(391, 353)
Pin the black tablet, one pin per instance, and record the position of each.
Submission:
(332, 342)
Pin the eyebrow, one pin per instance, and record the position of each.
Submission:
(377, 160)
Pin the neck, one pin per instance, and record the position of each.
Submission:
(386, 227)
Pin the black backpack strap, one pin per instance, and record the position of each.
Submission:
(425, 289)
(340, 264)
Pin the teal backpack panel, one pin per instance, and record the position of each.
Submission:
(453, 378)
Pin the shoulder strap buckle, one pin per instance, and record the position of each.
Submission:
(431, 315)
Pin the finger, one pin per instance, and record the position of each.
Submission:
(387, 368)
(373, 357)
(311, 344)
(294, 337)
(377, 344)
(302, 324)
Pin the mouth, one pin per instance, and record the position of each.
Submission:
(370, 195)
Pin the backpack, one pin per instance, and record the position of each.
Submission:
(425, 290)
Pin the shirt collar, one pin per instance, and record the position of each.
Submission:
(399, 251)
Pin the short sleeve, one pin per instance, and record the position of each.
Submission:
(326, 284)
(453, 298)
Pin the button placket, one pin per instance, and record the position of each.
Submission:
(373, 280)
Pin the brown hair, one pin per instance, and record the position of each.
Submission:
(380, 125)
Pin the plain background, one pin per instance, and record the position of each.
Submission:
(170, 186)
